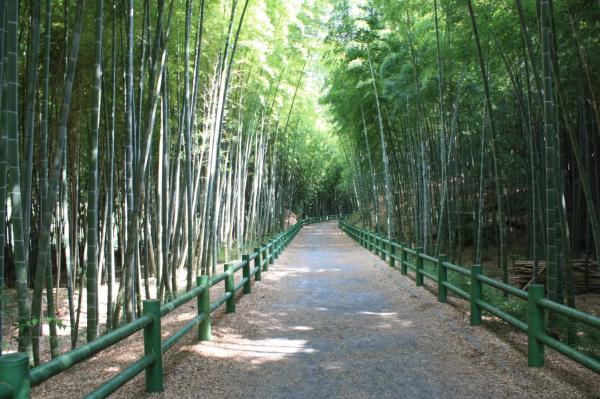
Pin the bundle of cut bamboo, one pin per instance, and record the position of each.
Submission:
(586, 274)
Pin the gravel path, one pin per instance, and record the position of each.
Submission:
(330, 320)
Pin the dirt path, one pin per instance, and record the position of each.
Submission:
(330, 320)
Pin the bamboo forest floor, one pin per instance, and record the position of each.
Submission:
(64, 331)
(330, 319)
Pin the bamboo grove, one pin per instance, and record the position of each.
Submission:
(472, 128)
(144, 142)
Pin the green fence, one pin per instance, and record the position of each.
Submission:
(16, 378)
(537, 306)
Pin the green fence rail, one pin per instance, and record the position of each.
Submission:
(537, 306)
(16, 378)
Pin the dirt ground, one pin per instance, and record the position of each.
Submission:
(330, 319)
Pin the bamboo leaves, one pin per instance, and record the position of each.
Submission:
(162, 152)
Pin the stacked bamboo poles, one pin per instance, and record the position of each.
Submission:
(586, 275)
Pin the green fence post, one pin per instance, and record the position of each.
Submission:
(375, 245)
(419, 265)
(271, 256)
(246, 273)
(372, 242)
(153, 347)
(265, 265)
(403, 259)
(392, 259)
(476, 294)
(442, 275)
(535, 326)
(273, 251)
(204, 328)
(276, 245)
(266, 259)
(14, 372)
(230, 288)
(258, 263)
(382, 248)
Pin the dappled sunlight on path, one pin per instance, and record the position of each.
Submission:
(257, 351)
(330, 319)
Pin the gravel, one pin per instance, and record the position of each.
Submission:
(331, 320)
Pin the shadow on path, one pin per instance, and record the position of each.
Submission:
(329, 321)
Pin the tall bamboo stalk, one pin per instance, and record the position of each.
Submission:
(551, 153)
(10, 99)
(386, 167)
(3, 177)
(92, 200)
(498, 185)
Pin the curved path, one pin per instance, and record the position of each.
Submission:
(330, 320)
